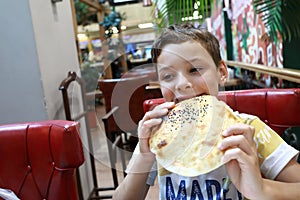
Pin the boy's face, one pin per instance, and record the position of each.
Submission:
(187, 70)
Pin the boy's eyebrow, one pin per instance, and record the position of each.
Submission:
(165, 67)
(201, 60)
(188, 61)
(196, 59)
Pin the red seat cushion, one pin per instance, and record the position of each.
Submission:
(39, 159)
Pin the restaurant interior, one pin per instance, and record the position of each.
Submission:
(70, 128)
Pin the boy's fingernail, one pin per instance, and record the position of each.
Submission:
(225, 133)
(220, 146)
(170, 104)
(222, 159)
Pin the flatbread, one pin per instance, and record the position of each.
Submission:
(186, 143)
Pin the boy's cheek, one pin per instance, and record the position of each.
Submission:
(167, 94)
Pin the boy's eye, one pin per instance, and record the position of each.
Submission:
(196, 69)
(166, 77)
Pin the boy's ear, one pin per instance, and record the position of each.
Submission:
(223, 73)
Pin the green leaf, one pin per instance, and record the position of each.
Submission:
(173, 11)
(281, 16)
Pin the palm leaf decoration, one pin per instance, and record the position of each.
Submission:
(281, 16)
(182, 11)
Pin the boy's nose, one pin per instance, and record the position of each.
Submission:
(183, 83)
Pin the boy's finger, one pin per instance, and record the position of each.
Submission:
(155, 114)
(238, 141)
(168, 105)
(240, 129)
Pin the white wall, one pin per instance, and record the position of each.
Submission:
(56, 47)
(22, 97)
(37, 49)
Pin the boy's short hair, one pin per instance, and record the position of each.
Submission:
(177, 34)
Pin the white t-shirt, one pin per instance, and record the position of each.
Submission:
(273, 154)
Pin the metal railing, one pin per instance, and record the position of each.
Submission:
(292, 75)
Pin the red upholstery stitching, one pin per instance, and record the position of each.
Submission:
(30, 169)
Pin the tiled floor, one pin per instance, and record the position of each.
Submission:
(101, 157)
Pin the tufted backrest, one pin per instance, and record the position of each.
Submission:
(279, 108)
(39, 159)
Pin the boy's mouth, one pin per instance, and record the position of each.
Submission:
(181, 98)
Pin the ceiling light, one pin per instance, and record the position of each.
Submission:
(145, 25)
(81, 36)
(147, 3)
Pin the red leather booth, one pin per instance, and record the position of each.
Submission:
(279, 108)
(39, 159)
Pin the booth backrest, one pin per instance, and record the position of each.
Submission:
(128, 94)
(39, 159)
(279, 108)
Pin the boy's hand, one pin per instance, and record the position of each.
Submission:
(151, 120)
(241, 159)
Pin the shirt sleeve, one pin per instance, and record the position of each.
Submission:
(277, 160)
(273, 152)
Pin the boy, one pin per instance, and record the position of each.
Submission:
(189, 64)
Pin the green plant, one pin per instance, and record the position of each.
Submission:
(181, 11)
(84, 15)
(281, 16)
(90, 75)
(110, 20)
